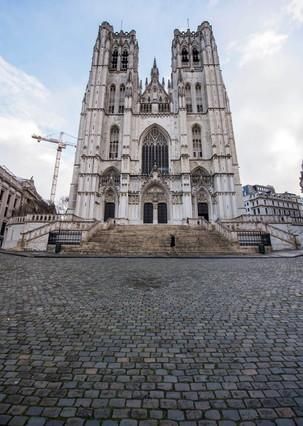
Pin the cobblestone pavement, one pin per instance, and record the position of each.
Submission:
(151, 342)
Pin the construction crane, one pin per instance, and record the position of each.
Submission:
(61, 144)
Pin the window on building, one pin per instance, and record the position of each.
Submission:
(188, 102)
(121, 99)
(199, 98)
(114, 143)
(195, 55)
(124, 60)
(146, 107)
(185, 59)
(163, 107)
(197, 144)
(114, 62)
(9, 198)
(112, 95)
(154, 151)
(1, 194)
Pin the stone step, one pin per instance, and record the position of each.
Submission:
(155, 240)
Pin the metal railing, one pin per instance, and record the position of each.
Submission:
(65, 237)
(253, 238)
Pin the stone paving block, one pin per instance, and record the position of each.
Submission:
(36, 421)
(18, 421)
(182, 363)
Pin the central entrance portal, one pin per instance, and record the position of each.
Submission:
(162, 213)
(155, 206)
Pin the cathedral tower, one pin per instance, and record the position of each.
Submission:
(158, 154)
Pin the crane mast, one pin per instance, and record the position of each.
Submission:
(60, 146)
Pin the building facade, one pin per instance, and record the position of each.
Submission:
(263, 200)
(18, 196)
(156, 153)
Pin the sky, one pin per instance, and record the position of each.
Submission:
(45, 56)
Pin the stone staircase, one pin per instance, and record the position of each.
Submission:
(155, 240)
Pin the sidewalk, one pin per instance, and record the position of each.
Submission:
(276, 254)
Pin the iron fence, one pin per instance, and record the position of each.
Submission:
(253, 238)
(65, 237)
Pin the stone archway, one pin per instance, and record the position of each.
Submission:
(202, 186)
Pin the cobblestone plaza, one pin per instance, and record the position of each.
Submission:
(151, 341)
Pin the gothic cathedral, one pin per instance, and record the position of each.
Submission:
(156, 153)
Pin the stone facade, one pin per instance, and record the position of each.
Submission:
(159, 153)
(18, 196)
(261, 200)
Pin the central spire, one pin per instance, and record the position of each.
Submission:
(154, 71)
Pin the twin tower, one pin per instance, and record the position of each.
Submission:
(155, 152)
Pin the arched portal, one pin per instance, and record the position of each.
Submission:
(109, 205)
(202, 183)
(109, 188)
(154, 151)
(155, 204)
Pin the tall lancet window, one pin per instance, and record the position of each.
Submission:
(111, 102)
(154, 152)
(121, 99)
(199, 98)
(197, 144)
(188, 102)
(124, 60)
(195, 56)
(114, 62)
(184, 55)
(114, 143)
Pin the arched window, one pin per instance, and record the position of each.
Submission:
(195, 55)
(124, 60)
(189, 107)
(154, 152)
(114, 143)
(114, 62)
(184, 54)
(121, 99)
(199, 98)
(197, 144)
(111, 102)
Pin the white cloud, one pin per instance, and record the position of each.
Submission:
(295, 10)
(28, 107)
(267, 109)
(260, 45)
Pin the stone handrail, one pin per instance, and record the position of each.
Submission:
(54, 226)
(225, 231)
(282, 235)
(44, 218)
(218, 226)
(249, 218)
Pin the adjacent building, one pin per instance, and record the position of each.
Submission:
(156, 152)
(264, 200)
(18, 196)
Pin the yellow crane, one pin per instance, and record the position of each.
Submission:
(61, 144)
